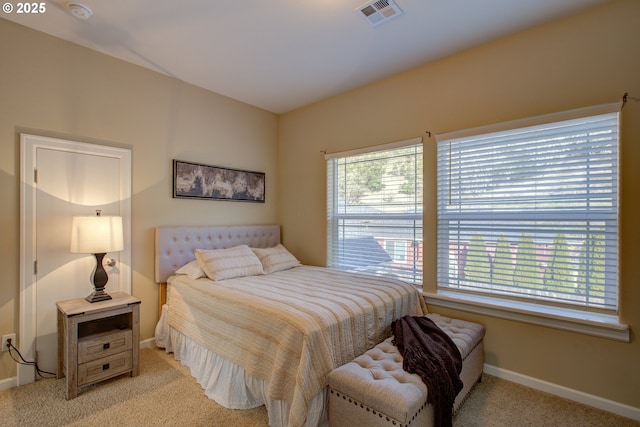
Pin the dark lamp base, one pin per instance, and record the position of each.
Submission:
(98, 296)
(99, 280)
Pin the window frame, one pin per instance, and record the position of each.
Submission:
(335, 216)
(601, 324)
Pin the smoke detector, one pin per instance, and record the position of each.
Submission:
(378, 11)
(79, 10)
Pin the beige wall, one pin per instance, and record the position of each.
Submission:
(54, 88)
(588, 59)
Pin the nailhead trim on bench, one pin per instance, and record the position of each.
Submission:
(375, 412)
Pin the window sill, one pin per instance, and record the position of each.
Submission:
(596, 324)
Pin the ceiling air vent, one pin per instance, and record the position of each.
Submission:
(377, 12)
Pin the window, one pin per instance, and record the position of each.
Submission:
(374, 209)
(531, 212)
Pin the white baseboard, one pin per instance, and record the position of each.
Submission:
(8, 383)
(148, 343)
(567, 393)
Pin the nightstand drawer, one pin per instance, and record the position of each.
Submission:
(110, 366)
(104, 344)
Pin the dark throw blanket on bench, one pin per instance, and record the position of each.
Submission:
(430, 353)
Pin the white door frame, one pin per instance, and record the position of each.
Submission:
(29, 144)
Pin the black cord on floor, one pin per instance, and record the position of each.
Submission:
(24, 362)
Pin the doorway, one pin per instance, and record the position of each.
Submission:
(61, 179)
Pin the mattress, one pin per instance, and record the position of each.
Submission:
(289, 329)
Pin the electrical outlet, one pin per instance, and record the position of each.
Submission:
(11, 337)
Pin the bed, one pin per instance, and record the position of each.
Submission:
(272, 337)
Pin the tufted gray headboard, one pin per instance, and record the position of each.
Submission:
(174, 245)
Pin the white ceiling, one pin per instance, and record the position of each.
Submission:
(283, 54)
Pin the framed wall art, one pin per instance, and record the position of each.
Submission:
(198, 181)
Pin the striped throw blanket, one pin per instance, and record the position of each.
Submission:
(291, 328)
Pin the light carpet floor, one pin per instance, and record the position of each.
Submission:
(165, 394)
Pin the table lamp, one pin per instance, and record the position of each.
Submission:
(97, 235)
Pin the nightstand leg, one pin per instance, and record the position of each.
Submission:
(135, 335)
(61, 341)
(71, 358)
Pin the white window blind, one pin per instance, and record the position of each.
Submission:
(532, 212)
(374, 210)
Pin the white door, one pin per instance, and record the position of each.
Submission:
(69, 178)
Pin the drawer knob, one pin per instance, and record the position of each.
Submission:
(105, 346)
(105, 366)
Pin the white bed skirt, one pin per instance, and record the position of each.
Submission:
(227, 383)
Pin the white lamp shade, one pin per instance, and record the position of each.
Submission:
(96, 234)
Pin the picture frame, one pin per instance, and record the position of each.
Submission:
(206, 182)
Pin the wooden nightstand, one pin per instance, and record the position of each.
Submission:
(97, 341)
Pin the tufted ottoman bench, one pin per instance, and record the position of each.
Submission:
(374, 390)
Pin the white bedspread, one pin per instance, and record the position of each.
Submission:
(290, 328)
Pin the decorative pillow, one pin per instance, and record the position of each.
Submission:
(275, 259)
(192, 269)
(221, 264)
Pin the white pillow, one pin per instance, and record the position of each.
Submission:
(220, 264)
(192, 269)
(275, 259)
